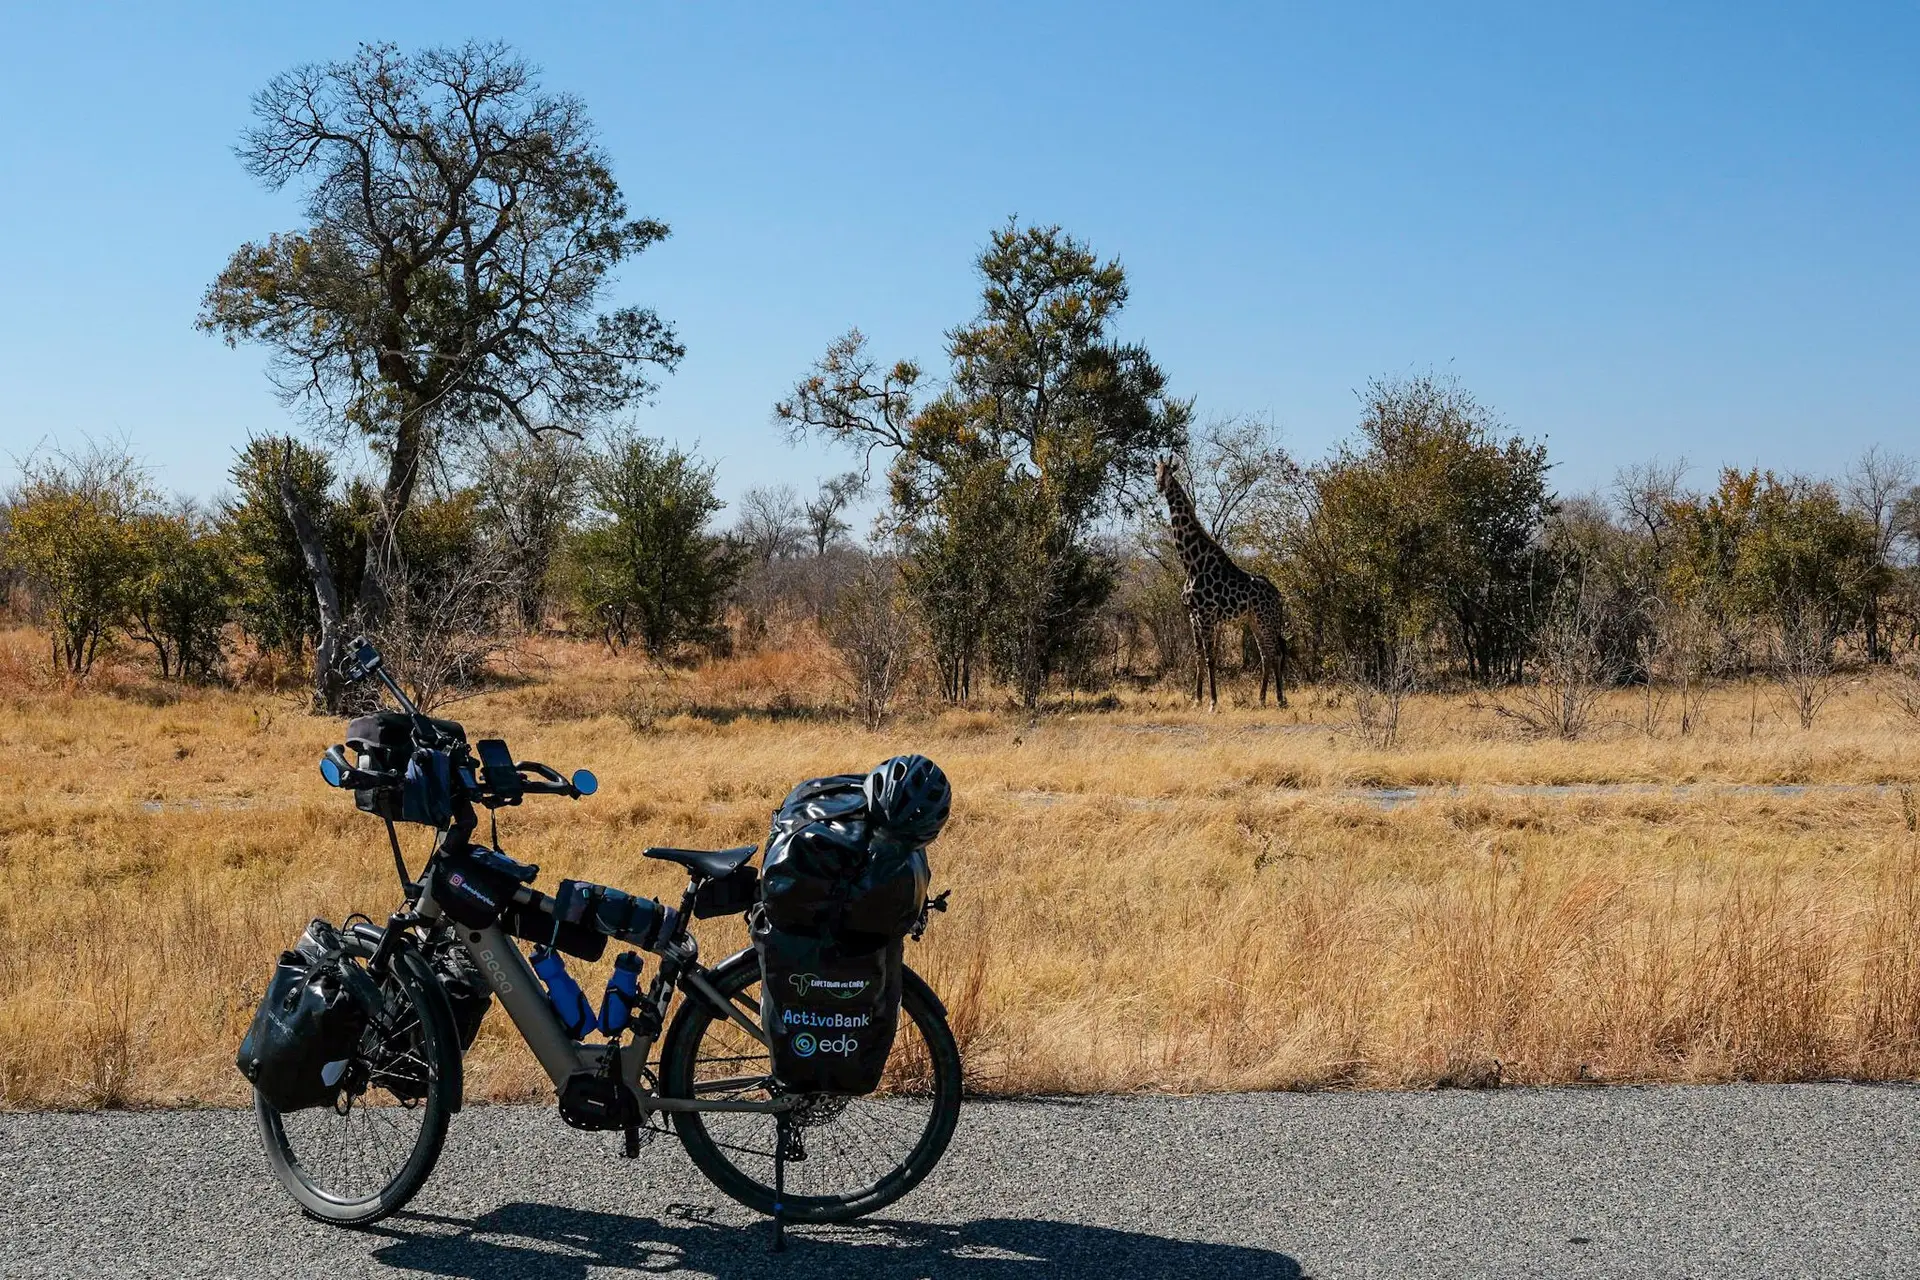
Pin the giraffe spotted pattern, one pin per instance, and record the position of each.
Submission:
(1218, 591)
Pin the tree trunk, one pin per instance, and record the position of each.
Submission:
(329, 691)
(383, 549)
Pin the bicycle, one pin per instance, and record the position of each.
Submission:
(365, 1156)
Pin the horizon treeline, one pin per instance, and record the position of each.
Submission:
(1428, 551)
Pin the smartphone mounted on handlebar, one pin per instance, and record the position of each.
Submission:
(361, 663)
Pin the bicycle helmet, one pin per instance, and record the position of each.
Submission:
(908, 799)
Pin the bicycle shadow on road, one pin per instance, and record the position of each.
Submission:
(548, 1242)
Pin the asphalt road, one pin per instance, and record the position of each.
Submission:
(1730, 1181)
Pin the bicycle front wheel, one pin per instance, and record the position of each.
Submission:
(849, 1156)
(365, 1156)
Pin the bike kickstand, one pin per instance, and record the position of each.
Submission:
(781, 1121)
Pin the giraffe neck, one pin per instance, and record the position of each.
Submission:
(1198, 550)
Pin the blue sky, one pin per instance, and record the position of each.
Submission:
(1646, 230)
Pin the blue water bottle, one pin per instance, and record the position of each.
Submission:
(563, 993)
(623, 994)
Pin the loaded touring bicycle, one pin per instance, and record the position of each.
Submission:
(811, 1076)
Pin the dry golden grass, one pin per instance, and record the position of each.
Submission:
(1146, 897)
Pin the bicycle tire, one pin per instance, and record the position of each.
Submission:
(439, 1054)
(679, 1065)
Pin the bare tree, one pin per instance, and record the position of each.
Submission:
(1803, 663)
(770, 525)
(532, 493)
(1681, 649)
(1874, 488)
(1645, 493)
(1572, 669)
(1240, 474)
(823, 513)
(871, 631)
(1378, 692)
(442, 626)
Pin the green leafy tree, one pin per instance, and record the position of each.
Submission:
(185, 595)
(76, 537)
(1429, 523)
(645, 567)
(1783, 553)
(462, 229)
(1043, 402)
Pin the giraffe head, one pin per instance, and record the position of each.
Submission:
(1166, 479)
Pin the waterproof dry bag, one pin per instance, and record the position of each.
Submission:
(830, 1016)
(308, 1027)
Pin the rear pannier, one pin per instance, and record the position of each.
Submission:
(839, 891)
(829, 1016)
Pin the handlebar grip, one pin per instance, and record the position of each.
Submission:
(348, 777)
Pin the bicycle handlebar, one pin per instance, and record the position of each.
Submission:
(547, 781)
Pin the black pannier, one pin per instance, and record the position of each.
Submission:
(817, 846)
(830, 1016)
(838, 893)
(309, 1024)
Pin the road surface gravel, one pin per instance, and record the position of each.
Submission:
(1743, 1180)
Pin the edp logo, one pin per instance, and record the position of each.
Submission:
(805, 1045)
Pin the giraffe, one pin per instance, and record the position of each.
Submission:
(1217, 591)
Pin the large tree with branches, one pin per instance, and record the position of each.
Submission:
(462, 229)
(1047, 424)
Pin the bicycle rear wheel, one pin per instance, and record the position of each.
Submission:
(857, 1155)
(362, 1158)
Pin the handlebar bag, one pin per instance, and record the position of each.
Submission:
(307, 1029)
(384, 743)
(830, 1015)
(385, 738)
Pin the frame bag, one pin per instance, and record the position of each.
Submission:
(476, 884)
(830, 1016)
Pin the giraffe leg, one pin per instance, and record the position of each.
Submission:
(1264, 644)
(1199, 659)
(1213, 677)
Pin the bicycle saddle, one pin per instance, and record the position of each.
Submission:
(709, 863)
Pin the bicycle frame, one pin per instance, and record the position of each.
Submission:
(561, 1057)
